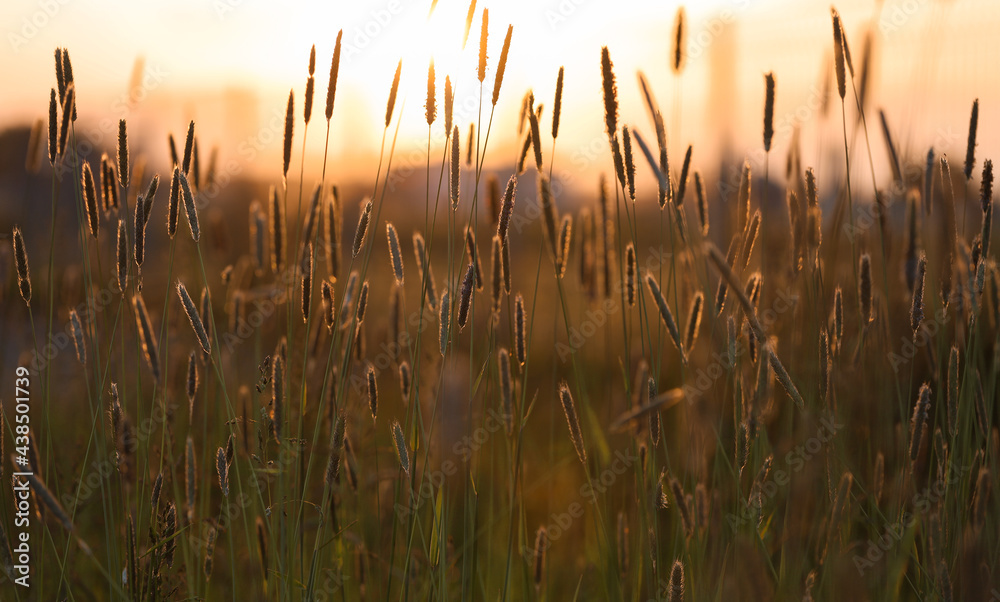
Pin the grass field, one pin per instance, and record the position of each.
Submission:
(765, 381)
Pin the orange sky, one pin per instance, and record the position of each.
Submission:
(229, 64)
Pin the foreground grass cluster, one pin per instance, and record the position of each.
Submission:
(647, 395)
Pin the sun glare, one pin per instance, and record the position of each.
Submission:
(439, 37)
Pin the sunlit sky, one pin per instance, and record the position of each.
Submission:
(229, 64)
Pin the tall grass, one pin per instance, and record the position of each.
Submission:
(353, 434)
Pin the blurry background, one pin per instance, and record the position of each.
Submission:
(229, 64)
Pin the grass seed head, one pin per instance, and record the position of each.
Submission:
(541, 545)
(610, 93)
(865, 289)
(336, 450)
(743, 202)
(78, 340)
(123, 170)
(430, 106)
(918, 421)
(405, 380)
(970, 151)
(395, 257)
(465, 299)
(60, 73)
(90, 200)
(289, 132)
(331, 90)
(456, 169)
(190, 209)
(682, 181)
(362, 229)
(665, 314)
(838, 54)
(449, 108)
(502, 64)
(575, 433)
(483, 36)
(400, 442)
(557, 104)
(194, 317)
(310, 87)
(629, 162)
(392, 94)
(372, 392)
(69, 107)
(630, 274)
(147, 336)
(768, 110)
(507, 208)
(694, 321)
(678, 53)
(188, 149)
(565, 236)
(222, 467)
(53, 128)
(173, 202)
